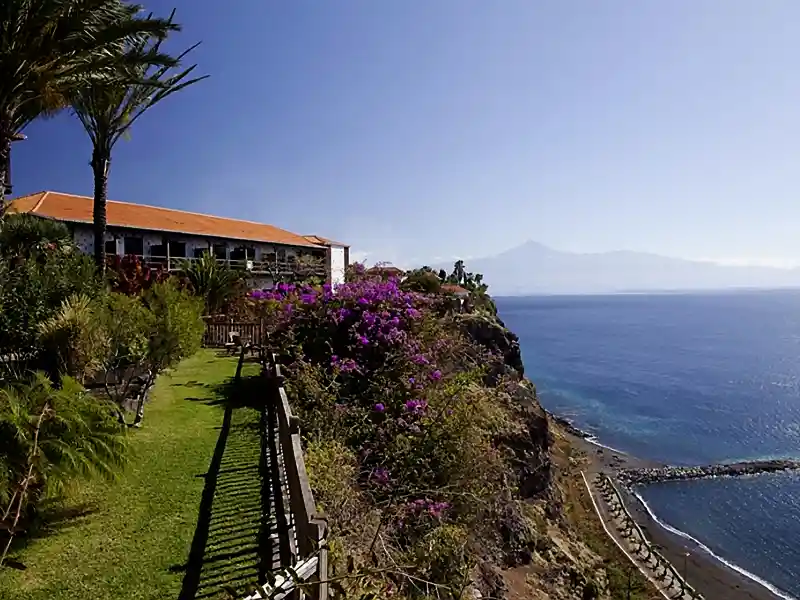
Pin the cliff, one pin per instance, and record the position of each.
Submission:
(568, 555)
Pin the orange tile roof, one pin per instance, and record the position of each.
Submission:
(78, 209)
(452, 288)
(316, 239)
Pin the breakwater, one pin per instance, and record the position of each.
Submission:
(659, 474)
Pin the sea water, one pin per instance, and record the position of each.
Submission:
(685, 379)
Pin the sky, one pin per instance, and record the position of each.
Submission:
(419, 131)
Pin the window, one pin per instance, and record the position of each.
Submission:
(177, 249)
(111, 246)
(134, 245)
(158, 251)
(239, 253)
(282, 255)
(198, 252)
(220, 251)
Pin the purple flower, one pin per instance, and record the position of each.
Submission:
(416, 407)
(334, 359)
(436, 375)
(348, 365)
(419, 359)
(381, 476)
(379, 407)
(363, 339)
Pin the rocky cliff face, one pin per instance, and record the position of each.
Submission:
(491, 333)
(553, 562)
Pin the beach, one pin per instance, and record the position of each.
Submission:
(704, 572)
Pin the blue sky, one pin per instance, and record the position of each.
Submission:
(418, 131)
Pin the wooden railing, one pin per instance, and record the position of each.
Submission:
(310, 526)
(218, 334)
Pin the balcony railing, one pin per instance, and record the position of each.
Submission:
(256, 267)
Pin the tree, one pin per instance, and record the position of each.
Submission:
(51, 48)
(107, 111)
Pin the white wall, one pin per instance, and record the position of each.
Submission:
(337, 265)
(84, 238)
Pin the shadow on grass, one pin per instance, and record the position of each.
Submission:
(240, 524)
(52, 517)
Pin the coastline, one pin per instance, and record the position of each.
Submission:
(707, 573)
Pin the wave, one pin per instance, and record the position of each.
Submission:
(592, 439)
(778, 592)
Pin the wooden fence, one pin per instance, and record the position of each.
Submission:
(309, 525)
(219, 335)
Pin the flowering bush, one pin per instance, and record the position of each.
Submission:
(384, 377)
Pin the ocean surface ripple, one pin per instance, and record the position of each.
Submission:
(685, 379)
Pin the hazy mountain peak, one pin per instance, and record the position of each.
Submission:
(533, 268)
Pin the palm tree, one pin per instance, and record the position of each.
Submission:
(50, 48)
(49, 436)
(214, 282)
(107, 112)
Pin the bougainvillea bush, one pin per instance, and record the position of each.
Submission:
(400, 432)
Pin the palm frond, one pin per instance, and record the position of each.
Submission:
(108, 110)
(49, 48)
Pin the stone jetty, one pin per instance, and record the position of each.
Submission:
(658, 474)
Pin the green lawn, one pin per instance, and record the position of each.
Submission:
(131, 536)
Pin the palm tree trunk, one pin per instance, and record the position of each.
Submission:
(5, 163)
(100, 164)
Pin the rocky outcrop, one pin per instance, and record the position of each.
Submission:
(491, 333)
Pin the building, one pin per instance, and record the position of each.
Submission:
(169, 237)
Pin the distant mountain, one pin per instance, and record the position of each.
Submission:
(536, 269)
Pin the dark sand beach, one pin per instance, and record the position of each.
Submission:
(713, 579)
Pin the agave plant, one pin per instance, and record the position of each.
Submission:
(48, 436)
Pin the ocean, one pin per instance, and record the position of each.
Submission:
(685, 379)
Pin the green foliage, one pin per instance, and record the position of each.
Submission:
(73, 340)
(26, 234)
(176, 324)
(217, 284)
(76, 437)
(32, 290)
(422, 280)
(146, 335)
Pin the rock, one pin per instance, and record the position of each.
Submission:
(530, 447)
(490, 333)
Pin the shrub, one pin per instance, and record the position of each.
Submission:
(177, 327)
(421, 280)
(398, 427)
(145, 336)
(73, 340)
(47, 437)
(217, 284)
(130, 275)
(22, 235)
(32, 289)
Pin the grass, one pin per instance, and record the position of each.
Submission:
(130, 538)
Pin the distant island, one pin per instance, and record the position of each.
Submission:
(533, 268)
